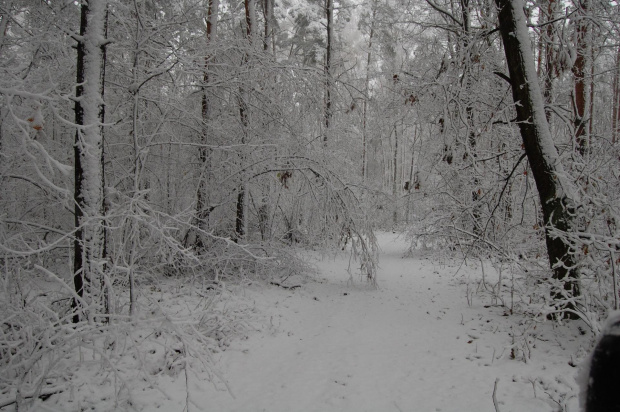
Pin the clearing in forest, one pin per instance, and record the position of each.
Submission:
(417, 343)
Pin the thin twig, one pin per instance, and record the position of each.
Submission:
(494, 395)
(615, 280)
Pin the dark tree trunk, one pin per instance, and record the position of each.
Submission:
(203, 208)
(239, 224)
(547, 44)
(581, 89)
(240, 212)
(243, 116)
(106, 292)
(395, 177)
(329, 14)
(78, 251)
(554, 189)
(89, 245)
(366, 94)
(269, 36)
(615, 114)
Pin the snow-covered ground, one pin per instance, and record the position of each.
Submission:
(423, 341)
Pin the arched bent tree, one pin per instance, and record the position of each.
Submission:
(557, 193)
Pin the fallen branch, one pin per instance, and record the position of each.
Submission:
(43, 395)
(285, 286)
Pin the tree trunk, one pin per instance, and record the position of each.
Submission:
(4, 26)
(366, 94)
(557, 194)
(329, 14)
(395, 176)
(469, 127)
(4, 23)
(203, 208)
(581, 81)
(615, 114)
(547, 41)
(243, 116)
(106, 288)
(269, 36)
(89, 243)
(412, 183)
(131, 226)
(250, 16)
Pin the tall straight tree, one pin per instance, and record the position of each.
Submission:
(329, 14)
(615, 110)
(582, 81)
(269, 36)
(89, 243)
(557, 193)
(470, 142)
(547, 68)
(250, 17)
(202, 204)
(367, 91)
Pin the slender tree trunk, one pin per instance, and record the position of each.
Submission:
(411, 182)
(4, 26)
(469, 112)
(366, 94)
(4, 23)
(329, 14)
(243, 116)
(89, 243)
(591, 113)
(615, 111)
(106, 287)
(250, 16)
(395, 176)
(547, 41)
(466, 27)
(557, 193)
(203, 208)
(269, 36)
(131, 225)
(581, 91)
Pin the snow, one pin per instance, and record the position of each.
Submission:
(421, 341)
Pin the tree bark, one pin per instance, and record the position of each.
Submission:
(547, 41)
(469, 113)
(581, 81)
(89, 243)
(243, 116)
(329, 14)
(366, 94)
(615, 114)
(106, 288)
(395, 176)
(204, 152)
(269, 36)
(557, 193)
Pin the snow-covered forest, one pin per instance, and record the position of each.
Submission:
(188, 187)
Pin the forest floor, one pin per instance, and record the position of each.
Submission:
(424, 340)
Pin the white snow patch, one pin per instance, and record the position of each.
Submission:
(413, 344)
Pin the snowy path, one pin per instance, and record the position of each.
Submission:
(412, 345)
